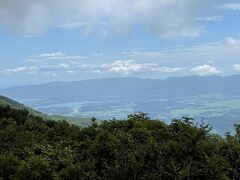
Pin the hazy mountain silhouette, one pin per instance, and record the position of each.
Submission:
(132, 88)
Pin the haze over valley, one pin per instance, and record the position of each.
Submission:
(212, 99)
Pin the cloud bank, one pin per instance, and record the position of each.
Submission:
(121, 67)
(169, 61)
(168, 18)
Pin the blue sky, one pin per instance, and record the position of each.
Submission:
(57, 40)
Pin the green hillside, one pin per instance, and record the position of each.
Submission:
(5, 101)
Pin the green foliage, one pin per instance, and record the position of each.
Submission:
(4, 101)
(136, 148)
(7, 102)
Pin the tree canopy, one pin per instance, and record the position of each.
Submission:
(136, 148)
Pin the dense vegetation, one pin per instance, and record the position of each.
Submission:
(5, 101)
(137, 148)
(83, 122)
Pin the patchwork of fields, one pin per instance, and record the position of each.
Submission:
(218, 110)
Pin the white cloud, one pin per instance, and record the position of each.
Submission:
(59, 55)
(210, 18)
(167, 60)
(47, 70)
(74, 25)
(122, 67)
(129, 67)
(168, 69)
(168, 18)
(54, 54)
(174, 59)
(205, 70)
(236, 67)
(222, 52)
(126, 67)
(22, 69)
(231, 6)
(64, 66)
(70, 72)
(232, 42)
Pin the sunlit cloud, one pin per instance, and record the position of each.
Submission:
(205, 70)
(122, 67)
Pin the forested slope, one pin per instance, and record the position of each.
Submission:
(5, 101)
(137, 148)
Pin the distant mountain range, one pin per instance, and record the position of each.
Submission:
(131, 88)
(214, 99)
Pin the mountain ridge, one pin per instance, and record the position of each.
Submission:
(133, 87)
